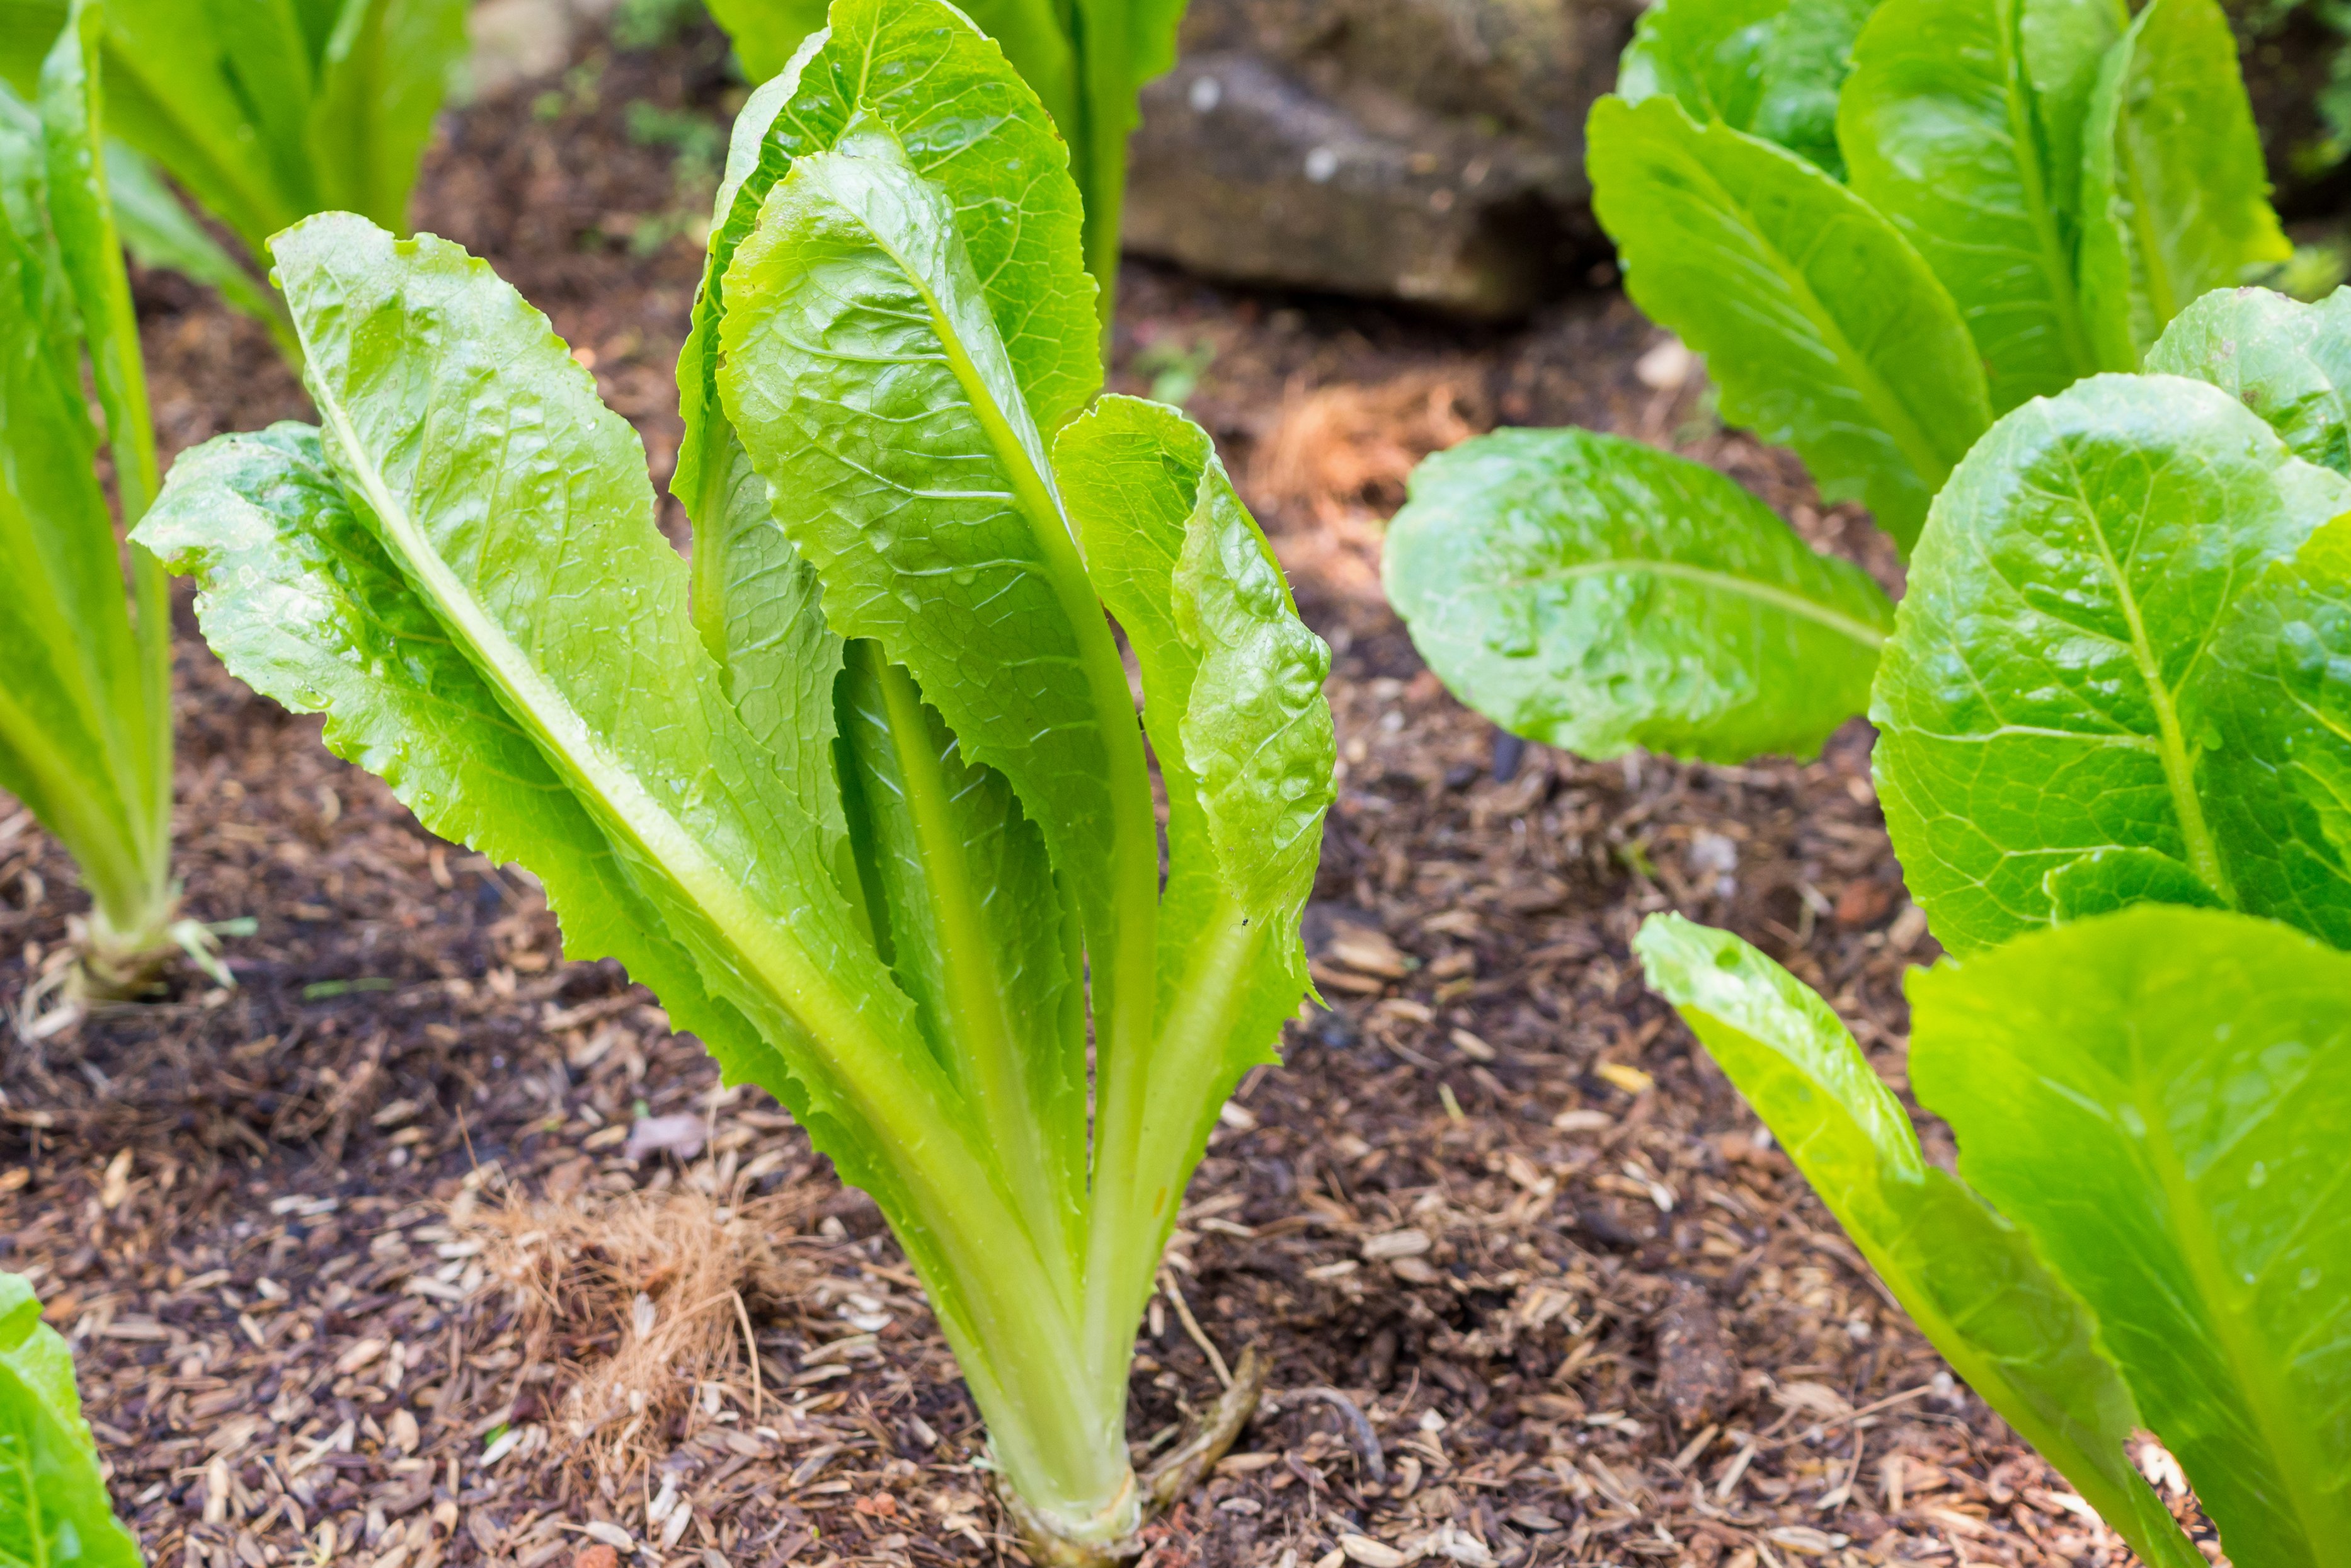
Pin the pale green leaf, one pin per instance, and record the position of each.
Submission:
(381, 80)
(519, 507)
(81, 217)
(1769, 68)
(54, 1509)
(968, 125)
(1970, 1280)
(1032, 34)
(2036, 704)
(516, 510)
(977, 936)
(1596, 595)
(2161, 1099)
(1946, 131)
(266, 110)
(1821, 325)
(74, 737)
(2287, 362)
(1232, 684)
(924, 499)
(1233, 699)
(299, 600)
(170, 93)
(157, 229)
(2173, 194)
(2274, 710)
(1086, 60)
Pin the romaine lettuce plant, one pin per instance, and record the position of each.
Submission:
(1884, 225)
(53, 1505)
(863, 795)
(2115, 758)
(1087, 60)
(85, 709)
(2143, 1233)
(262, 111)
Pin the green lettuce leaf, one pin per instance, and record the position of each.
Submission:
(1086, 62)
(978, 936)
(1947, 130)
(1596, 595)
(2275, 712)
(302, 602)
(2044, 696)
(2173, 194)
(1969, 1279)
(2161, 1099)
(513, 540)
(2287, 362)
(170, 94)
(1769, 68)
(81, 217)
(54, 1510)
(84, 723)
(266, 110)
(1232, 683)
(941, 87)
(157, 229)
(1821, 325)
(925, 502)
(974, 131)
(766, 34)
(382, 74)
(516, 510)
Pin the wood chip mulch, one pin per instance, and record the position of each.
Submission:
(1536, 1288)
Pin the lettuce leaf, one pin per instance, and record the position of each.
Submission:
(1973, 1283)
(1821, 324)
(54, 1510)
(2161, 1098)
(2069, 649)
(1594, 593)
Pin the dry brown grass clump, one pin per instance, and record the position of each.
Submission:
(643, 1300)
(1333, 466)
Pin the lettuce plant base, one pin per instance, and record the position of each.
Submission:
(1568, 1336)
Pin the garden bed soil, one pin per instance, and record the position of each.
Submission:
(1532, 1285)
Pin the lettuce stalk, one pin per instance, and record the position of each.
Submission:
(862, 793)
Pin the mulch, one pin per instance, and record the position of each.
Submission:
(1535, 1287)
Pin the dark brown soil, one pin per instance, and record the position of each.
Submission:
(1532, 1286)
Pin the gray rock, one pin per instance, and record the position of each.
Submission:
(1429, 151)
(1432, 151)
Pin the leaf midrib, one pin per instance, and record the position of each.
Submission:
(2264, 1395)
(794, 977)
(976, 992)
(2171, 741)
(2024, 136)
(1795, 604)
(20, 1458)
(1892, 415)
